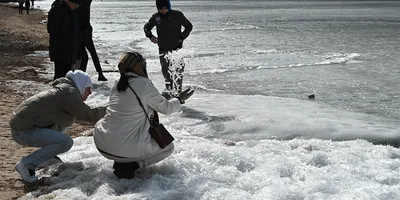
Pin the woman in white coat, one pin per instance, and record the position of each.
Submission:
(122, 135)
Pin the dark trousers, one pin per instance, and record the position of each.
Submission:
(61, 69)
(21, 8)
(27, 6)
(83, 56)
(173, 79)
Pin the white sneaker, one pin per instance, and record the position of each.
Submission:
(24, 172)
(51, 161)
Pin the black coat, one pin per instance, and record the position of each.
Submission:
(62, 26)
(85, 29)
(84, 14)
(170, 36)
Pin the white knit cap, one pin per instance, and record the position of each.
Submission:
(81, 79)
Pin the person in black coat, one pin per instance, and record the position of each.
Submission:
(170, 37)
(27, 6)
(62, 26)
(86, 41)
(21, 6)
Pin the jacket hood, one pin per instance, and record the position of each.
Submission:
(80, 79)
(63, 80)
(163, 3)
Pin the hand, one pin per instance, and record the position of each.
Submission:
(154, 40)
(184, 95)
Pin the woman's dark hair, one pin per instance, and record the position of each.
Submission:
(130, 59)
(123, 83)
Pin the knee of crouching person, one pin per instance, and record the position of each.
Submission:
(170, 148)
(67, 143)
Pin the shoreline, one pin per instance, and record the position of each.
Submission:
(20, 35)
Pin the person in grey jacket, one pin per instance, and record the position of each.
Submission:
(40, 120)
(170, 38)
(123, 134)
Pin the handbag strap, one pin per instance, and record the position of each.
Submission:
(141, 105)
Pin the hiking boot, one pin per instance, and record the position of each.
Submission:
(102, 77)
(27, 175)
(51, 161)
(125, 170)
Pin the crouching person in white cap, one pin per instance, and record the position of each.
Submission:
(40, 120)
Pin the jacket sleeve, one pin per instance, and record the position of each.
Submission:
(53, 23)
(188, 26)
(148, 26)
(159, 103)
(74, 105)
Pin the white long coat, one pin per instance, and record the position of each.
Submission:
(124, 129)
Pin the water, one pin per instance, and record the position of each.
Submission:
(253, 64)
(344, 52)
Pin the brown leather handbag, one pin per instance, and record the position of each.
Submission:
(157, 131)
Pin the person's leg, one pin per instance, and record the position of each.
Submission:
(178, 78)
(58, 69)
(165, 71)
(27, 5)
(83, 57)
(61, 69)
(52, 143)
(147, 160)
(157, 157)
(125, 170)
(95, 58)
(20, 9)
(67, 67)
(126, 167)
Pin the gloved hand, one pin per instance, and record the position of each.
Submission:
(154, 40)
(184, 95)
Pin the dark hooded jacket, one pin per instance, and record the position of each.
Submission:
(62, 27)
(170, 36)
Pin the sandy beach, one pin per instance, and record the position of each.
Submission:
(20, 35)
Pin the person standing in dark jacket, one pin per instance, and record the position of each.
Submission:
(170, 37)
(21, 6)
(62, 27)
(86, 41)
(27, 6)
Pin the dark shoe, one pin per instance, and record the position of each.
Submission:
(51, 161)
(125, 170)
(27, 175)
(102, 77)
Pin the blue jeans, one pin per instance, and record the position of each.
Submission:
(52, 143)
